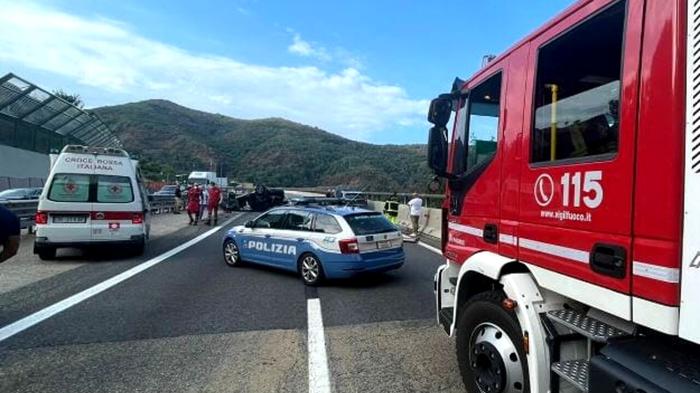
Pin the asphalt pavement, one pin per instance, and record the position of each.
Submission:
(189, 323)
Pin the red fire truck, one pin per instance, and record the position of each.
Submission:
(571, 224)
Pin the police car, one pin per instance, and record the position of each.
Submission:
(317, 242)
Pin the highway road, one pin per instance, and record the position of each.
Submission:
(179, 320)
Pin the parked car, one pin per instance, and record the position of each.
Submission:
(317, 242)
(167, 190)
(17, 194)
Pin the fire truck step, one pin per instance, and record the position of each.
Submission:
(574, 372)
(587, 326)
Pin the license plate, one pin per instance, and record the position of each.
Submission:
(384, 244)
(69, 219)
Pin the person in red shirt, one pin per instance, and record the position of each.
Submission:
(193, 196)
(214, 200)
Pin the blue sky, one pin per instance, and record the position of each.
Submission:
(361, 69)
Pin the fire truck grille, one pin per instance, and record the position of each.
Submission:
(694, 86)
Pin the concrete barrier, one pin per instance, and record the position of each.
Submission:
(429, 224)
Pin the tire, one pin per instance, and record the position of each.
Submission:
(307, 265)
(47, 254)
(490, 348)
(232, 254)
(139, 249)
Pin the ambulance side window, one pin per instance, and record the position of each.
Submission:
(577, 91)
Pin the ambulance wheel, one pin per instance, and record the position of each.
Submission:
(139, 248)
(490, 349)
(232, 254)
(47, 254)
(310, 269)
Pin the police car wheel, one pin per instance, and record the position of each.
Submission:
(232, 255)
(310, 269)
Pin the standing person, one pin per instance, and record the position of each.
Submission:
(391, 208)
(203, 201)
(178, 199)
(214, 201)
(416, 208)
(9, 234)
(193, 197)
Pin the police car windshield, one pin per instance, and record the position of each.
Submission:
(369, 223)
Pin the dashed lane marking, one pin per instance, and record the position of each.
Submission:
(429, 247)
(319, 380)
(41, 315)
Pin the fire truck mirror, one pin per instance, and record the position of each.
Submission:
(437, 150)
(440, 110)
(434, 185)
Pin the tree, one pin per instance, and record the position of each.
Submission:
(71, 98)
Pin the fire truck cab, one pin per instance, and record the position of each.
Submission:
(571, 223)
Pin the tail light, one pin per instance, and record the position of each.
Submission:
(137, 218)
(41, 218)
(349, 246)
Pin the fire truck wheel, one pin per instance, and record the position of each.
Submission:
(490, 347)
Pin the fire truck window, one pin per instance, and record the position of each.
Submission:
(578, 90)
(459, 159)
(482, 127)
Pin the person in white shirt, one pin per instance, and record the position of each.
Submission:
(416, 208)
(203, 201)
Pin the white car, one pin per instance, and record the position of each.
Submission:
(93, 197)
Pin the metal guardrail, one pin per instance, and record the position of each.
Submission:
(430, 200)
(24, 210)
(7, 182)
(161, 203)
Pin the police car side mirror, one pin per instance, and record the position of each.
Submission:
(249, 224)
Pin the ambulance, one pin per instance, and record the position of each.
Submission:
(93, 197)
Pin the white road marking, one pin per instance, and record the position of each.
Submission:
(429, 247)
(41, 315)
(319, 380)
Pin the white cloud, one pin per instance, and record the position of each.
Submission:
(306, 49)
(110, 58)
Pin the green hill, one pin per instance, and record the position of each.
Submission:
(170, 138)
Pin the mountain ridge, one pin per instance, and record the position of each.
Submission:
(171, 138)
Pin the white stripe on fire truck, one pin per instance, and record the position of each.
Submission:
(466, 229)
(557, 251)
(656, 272)
(508, 239)
(641, 269)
